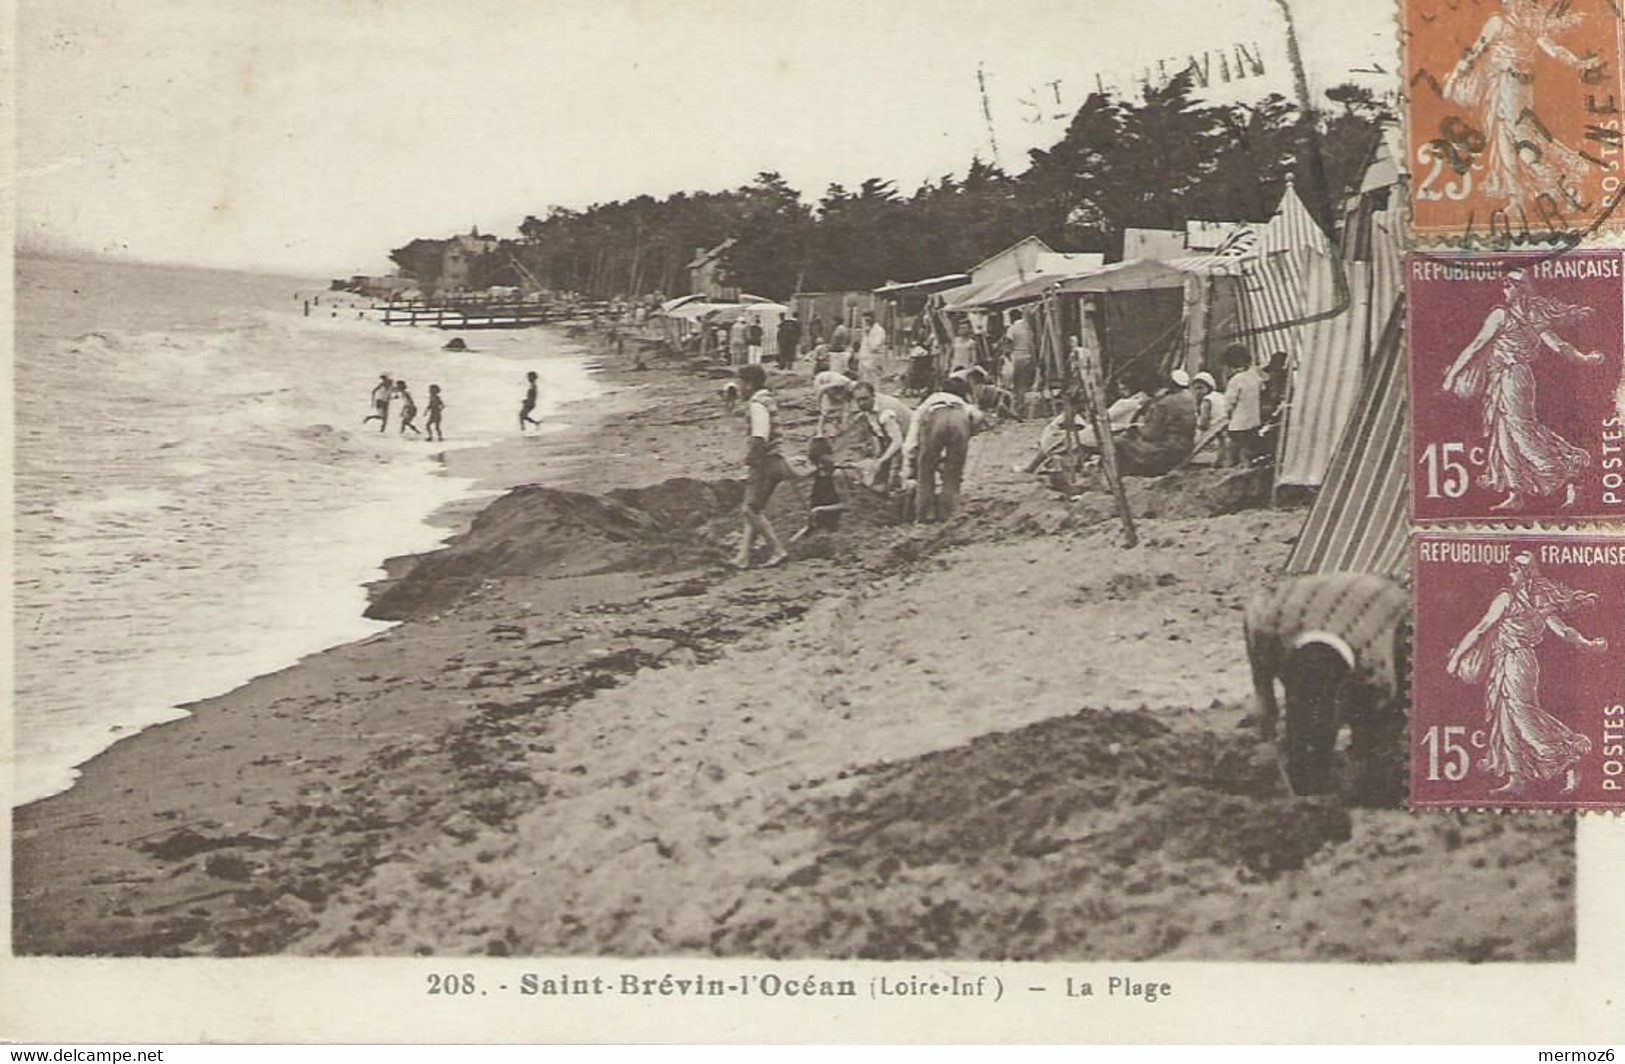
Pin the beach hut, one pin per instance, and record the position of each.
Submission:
(1159, 244)
(820, 312)
(900, 306)
(1140, 313)
(680, 320)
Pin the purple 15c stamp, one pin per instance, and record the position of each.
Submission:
(1518, 694)
(1518, 400)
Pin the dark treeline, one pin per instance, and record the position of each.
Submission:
(1152, 162)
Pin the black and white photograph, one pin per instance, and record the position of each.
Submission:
(875, 490)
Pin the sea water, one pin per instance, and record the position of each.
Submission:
(196, 499)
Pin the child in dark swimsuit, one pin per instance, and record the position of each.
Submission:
(437, 405)
(824, 501)
(528, 407)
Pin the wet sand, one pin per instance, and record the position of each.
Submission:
(1004, 737)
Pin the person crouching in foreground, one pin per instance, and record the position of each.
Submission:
(765, 466)
(938, 442)
(1340, 646)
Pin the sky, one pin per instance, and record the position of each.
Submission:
(311, 136)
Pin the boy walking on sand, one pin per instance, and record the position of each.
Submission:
(528, 407)
(437, 406)
(765, 466)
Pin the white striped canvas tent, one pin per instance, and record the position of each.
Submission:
(1325, 312)
(1329, 359)
(1292, 228)
(1360, 521)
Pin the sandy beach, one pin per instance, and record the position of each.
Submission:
(1004, 737)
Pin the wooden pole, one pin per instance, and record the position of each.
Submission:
(1284, 410)
(1093, 390)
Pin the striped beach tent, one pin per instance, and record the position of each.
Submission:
(1292, 228)
(1276, 269)
(1360, 521)
(1329, 361)
(1344, 303)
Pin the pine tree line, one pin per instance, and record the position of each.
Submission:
(1152, 162)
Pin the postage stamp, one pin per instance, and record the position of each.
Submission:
(1518, 697)
(1518, 386)
(1513, 112)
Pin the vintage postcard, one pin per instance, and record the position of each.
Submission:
(760, 521)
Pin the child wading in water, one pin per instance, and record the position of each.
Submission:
(436, 406)
(528, 407)
(409, 409)
(382, 392)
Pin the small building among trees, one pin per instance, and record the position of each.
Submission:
(458, 260)
(705, 273)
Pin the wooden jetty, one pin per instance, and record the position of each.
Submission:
(472, 312)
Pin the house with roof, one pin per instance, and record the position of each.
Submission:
(705, 274)
(458, 256)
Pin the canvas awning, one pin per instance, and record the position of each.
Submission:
(672, 304)
(1132, 276)
(1023, 291)
(894, 289)
(992, 293)
(695, 310)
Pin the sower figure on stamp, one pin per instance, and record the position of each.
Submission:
(1526, 743)
(1524, 457)
(1495, 80)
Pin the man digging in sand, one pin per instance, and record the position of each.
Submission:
(764, 464)
(938, 441)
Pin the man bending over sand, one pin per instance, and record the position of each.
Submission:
(937, 444)
(765, 466)
(887, 418)
(834, 391)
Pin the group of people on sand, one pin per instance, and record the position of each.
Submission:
(1166, 419)
(918, 453)
(390, 391)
